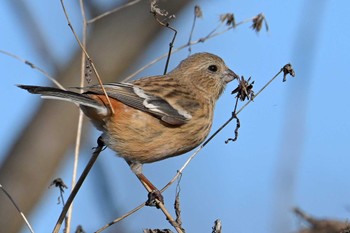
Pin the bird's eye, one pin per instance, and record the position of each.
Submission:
(213, 68)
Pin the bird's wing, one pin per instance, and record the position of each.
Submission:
(145, 100)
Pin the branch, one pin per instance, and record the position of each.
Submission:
(33, 66)
(76, 188)
(87, 56)
(18, 209)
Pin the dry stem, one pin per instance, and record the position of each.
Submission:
(87, 57)
(212, 34)
(18, 209)
(33, 66)
(112, 11)
(76, 188)
(80, 120)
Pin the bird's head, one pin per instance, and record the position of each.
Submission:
(206, 72)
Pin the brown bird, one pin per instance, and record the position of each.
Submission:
(154, 117)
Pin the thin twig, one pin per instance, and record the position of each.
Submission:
(80, 120)
(83, 56)
(177, 205)
(258, 93)
(121, 217)
(76, 188)
(191, 33)
(211, 35)
(234, 115)
(197, 14)
(33, 66)
(169, 217)
(112, 11)
(75, 166)
(179, 172)
(87, 57)
(18, 209)
(305, 216)
(171, 44)
(58, 182)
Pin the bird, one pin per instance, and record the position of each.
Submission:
(155, 117)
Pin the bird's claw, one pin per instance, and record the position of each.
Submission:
(153, 196)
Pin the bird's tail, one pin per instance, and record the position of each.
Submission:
(59, 94)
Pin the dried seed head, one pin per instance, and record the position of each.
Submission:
(79, 229)
(228, 19)
(58, 182)
(156, 10)
(287, 69)
(244, 89)
(217, 226)
(198, 11)
(258, 22)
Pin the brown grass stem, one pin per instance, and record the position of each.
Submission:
(79, 183)
(17, 208)
(33, 66)
(87, 56)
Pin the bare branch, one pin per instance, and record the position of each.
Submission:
(197, 14)
(121, 217)
(212, 34)
(112, 11)
(177, 205)
(87, 56)
(33, 66)
(18, 209)
(76, 188)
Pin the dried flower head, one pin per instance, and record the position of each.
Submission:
(198, 11)
(244, 89)
(287, 69)
(228, 19)
(79, 229)
(258, 21)
(58, 182)
(156, 10)
(217, 226)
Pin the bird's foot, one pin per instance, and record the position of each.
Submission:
(153, 197)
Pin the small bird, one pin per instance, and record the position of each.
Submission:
(154, 117)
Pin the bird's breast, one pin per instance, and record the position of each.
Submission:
(139, 136)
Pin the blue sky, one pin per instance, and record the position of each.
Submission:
(293, 146)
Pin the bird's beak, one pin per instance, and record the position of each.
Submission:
(229, 75)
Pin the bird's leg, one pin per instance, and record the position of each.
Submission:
(153, 192)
